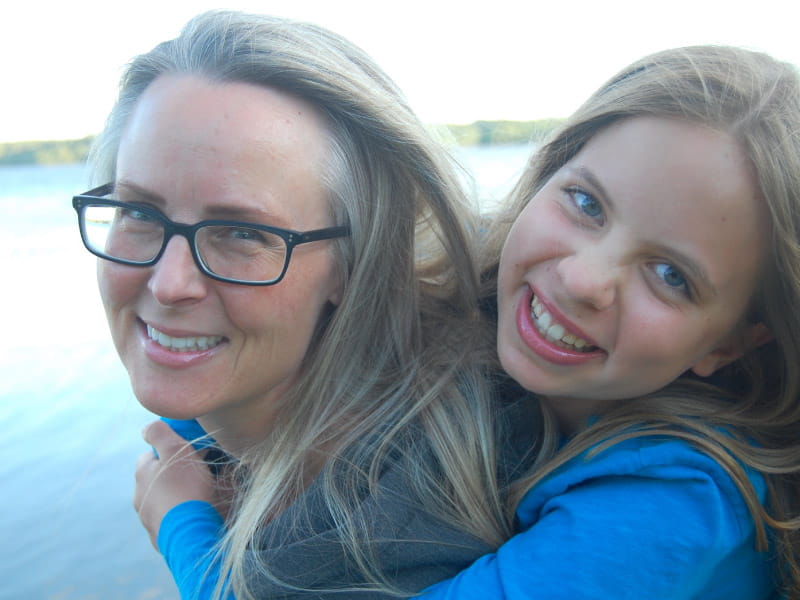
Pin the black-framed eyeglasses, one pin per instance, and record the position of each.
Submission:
(230, 251)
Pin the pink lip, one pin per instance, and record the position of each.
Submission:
(171, 359)
(543, 347)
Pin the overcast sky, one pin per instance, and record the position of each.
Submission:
(501, 59)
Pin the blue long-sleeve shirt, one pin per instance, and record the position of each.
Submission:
(647, 518)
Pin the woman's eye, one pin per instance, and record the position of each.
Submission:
(251, 235)
(672, 277)
(588, 205)
(136, 215)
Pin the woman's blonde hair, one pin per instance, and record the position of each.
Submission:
(396, 368)
(755, 99)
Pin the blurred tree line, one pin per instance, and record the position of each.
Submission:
(44, 153)
(483, 133)
(477, 133)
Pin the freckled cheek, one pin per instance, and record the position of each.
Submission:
(654, 330)
(535, 240)
(119, 284)
(668, 346)
(286, 311)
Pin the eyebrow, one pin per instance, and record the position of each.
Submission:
(143, 194)
(248, 214)
(685, 262)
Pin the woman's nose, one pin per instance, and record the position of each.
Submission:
(176, 278)
(590, 278)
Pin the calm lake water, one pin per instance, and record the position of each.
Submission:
(70, 425)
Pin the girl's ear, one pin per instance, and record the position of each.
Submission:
(753, 336)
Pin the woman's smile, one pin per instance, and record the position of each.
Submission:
(193, 343)
(178, 350)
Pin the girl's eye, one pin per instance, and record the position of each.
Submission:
(672, 277)
(588, 205)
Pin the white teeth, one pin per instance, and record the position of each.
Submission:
(183, 344)
(543, 322)
(555, 332)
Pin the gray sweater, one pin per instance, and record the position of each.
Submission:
(304, 550)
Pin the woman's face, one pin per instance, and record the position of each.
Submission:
(199, 150)
(635, 262)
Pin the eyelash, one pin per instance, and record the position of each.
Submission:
(684, 289)
(573, 193)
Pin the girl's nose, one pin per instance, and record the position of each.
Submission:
(590, 278)
(176, 280)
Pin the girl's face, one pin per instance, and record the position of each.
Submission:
(195, 347)
(635, 262)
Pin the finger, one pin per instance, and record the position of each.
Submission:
(165, 442)
(157, 431)
(145, 460)
(146, 469)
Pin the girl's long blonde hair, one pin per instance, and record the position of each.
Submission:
(396, 368)
(755, 99)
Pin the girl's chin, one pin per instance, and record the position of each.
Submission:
(520, 369)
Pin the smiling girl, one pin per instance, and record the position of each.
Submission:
(647, 282)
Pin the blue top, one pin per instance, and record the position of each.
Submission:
(187, 539)
(190, 531)
(191, 431)
(647, 518)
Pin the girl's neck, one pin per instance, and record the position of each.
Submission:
(573, 414)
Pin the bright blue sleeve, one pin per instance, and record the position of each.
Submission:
(187, 539)
(677, 531)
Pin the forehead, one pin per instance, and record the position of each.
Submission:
(682, 185)
(189, 137)
(673, 154)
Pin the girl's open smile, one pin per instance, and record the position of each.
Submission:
(550, 336)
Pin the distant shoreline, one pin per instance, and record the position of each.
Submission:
(478, 133)
(51, 152)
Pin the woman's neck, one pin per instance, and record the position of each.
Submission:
(237, 431)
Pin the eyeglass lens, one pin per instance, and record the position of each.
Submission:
(234, 252)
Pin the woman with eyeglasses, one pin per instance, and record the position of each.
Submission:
(286, 269)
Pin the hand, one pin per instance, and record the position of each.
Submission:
(177, 475)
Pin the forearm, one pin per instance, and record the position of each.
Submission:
(189, 541)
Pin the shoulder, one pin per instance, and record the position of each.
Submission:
(646, 518)
(656, 463)
(657, 505)
(304, 547)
